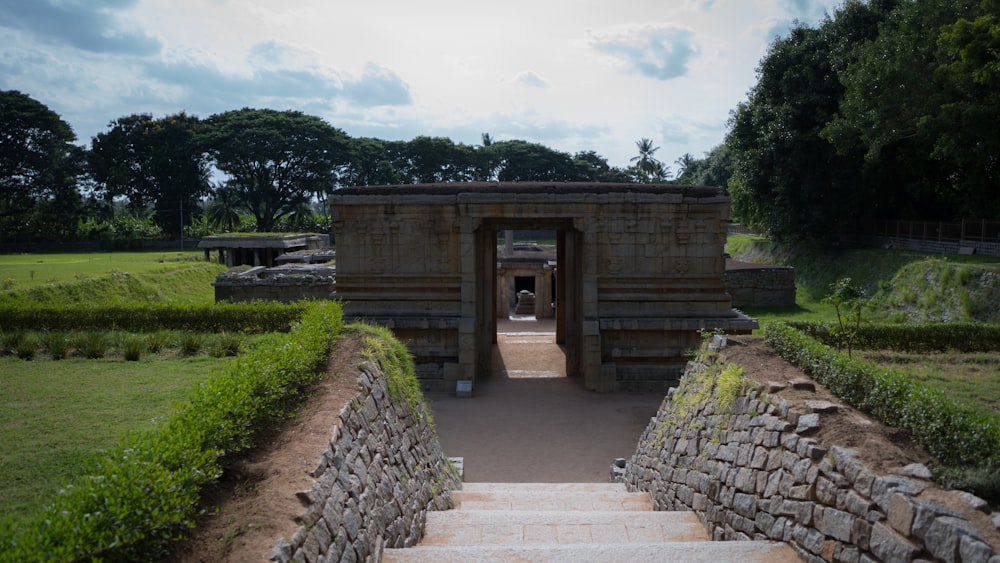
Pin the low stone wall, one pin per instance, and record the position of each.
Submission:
(383, 471)
(284, 284)
(749, 474)
(921, 245)
(764, 286)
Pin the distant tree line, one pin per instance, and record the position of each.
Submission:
(249, 169)
(888, 109)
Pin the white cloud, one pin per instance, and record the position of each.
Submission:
(529, 79)
(395, 69)
(655, 50)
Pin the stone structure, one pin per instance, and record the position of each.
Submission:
(286, 283)
(751, 473)
(640, 272)
(760, 285)
(259, 250)
(384, 469)
(531, 262)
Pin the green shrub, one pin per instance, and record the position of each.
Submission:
(133, 500)
(251, 318)
(190, 344)
(156, 341)
(91, 345)
(133, 348)
(918, 338)
(955, 433)
(57, 343)
(227, 346)
(27, 346)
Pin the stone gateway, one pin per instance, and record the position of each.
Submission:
(640, 269)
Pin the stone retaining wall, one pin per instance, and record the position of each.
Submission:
(772, 286)
(749, 474)
(384, 469)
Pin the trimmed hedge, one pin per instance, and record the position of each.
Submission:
(257, 317)
(956, 434)
(137, 497)
(917, 338)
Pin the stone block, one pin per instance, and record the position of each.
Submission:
(834, 523)
(901, 513)
(890, 546)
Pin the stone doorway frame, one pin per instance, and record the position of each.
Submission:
(569, 286)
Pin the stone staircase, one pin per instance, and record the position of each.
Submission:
(570, 522)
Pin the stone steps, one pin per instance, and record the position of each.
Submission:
(570, 522)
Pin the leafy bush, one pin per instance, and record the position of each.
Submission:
(918, 338)
(228, 345)
(133, 348)
(190, 344)
(241, 317)
(57, 344)
(135, 499)
(27, 346)
(91, 345)
(953, 432)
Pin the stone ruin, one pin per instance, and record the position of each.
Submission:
(639, 271)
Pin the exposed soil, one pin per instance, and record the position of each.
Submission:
(255, 504)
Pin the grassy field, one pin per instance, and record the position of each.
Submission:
(971, 379)
(107, 278)
(53, 415)
(23, 271)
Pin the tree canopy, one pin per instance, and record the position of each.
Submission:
(888, 109)
(153, 164)
(275, 160)
(39, 165)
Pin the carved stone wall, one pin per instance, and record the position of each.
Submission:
(640, 271)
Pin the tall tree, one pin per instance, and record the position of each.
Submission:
(922, 106)
(787, 179)
(521, 161)
(649, 168)
(437, 159)
(39, 165)
(155, 164)
(275, 160)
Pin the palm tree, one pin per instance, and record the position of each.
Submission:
(651, 168)
(221, 211)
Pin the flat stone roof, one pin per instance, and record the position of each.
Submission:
(297, 240)
(533, 188)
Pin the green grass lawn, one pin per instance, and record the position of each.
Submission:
(971, 379)
(109, 278)
(24, 271)
(53, 415)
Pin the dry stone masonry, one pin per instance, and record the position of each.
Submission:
(383, 471)
(750, 474)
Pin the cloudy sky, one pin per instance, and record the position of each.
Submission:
(570, 74)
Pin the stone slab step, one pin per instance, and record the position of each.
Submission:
(506, 527)
(574, 487)
(697, 552)
(549, 498)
